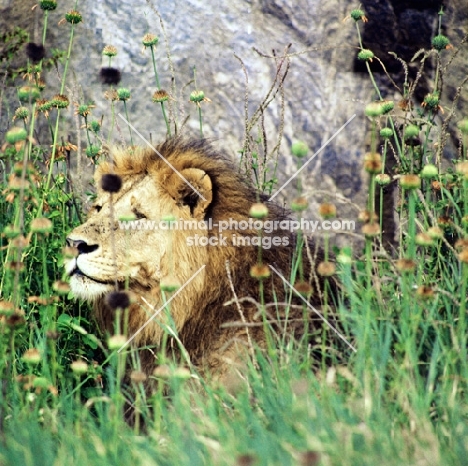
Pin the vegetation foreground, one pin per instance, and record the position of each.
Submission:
(399, 399)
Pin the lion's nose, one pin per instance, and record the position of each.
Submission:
(82, 246)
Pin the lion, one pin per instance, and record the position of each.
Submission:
(214, 317)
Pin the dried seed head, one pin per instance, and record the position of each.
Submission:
(373, 162)
(60, 101)
(435, 232)
(32, 356)
(7, 308)
(410, 181)
(462, 168)
(41, 225)
(463, 255)
(423, 239)
(371, 230)
(405, 265)
(259, 271)
(299, 204)
(150, 40)
(327, 210)
(111, 183)
(326, 269)
(160, 96)
(365, 216)
(138, 377)
(303, 288)
(61, 287)
(21, 113)
(425, 292)
(163, 371)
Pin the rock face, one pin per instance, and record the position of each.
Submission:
(323, 89)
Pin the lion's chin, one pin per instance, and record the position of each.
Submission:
(88, 289)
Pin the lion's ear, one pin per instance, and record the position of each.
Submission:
(194, 190)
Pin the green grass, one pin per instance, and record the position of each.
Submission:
(399, 400)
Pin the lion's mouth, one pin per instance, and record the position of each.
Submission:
(80, 274)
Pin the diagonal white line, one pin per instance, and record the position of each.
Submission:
(313, 308)
(316, 153)
(161, 157)
(161, 308)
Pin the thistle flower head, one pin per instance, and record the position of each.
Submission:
(326, 269)
(60, 101)
(109, 51)
(160, 96)
(440, 42)
(48, 5)
(79, 367)
(358, 15)
(411, 131)
(327, 210)
(123, 93)
(410, 181)
(150, 40)
(197, 96)
(429, 171)
(73, 17)
(21, 113)
(28, 93)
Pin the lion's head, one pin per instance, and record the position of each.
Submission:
(188, 181)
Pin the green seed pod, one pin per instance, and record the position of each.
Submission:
(440, 42)
(197, 96)
(150, 40)
(429, 171)
(386, 133)
(411, 131)
(28, 93)
(15, 135)
(365, 55)
(123, 93)
(299, 149)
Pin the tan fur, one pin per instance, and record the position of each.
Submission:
(145, 258)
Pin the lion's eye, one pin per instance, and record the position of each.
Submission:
(97, 207)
